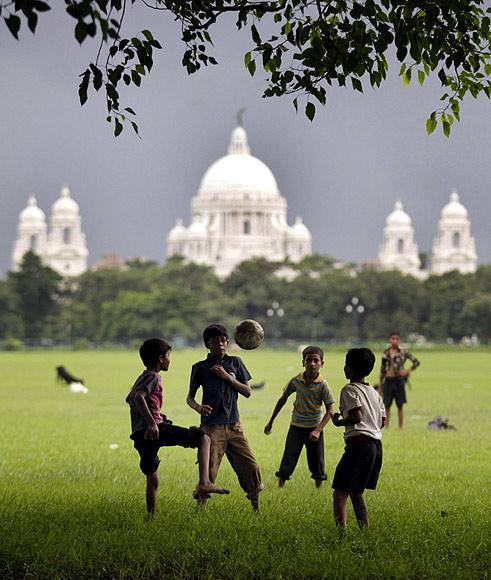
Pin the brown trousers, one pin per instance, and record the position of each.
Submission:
(231, 441)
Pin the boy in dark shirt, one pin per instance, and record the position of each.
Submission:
(150, 430)
(223, 378)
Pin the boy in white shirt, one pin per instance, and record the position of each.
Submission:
(362, 414)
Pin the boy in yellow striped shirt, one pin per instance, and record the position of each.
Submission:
(307, 424)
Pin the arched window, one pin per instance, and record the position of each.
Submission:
(247, 227)
(456, 240)
(66, 235)
(33, 243)
(400, 246)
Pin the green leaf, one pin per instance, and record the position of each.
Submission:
(118, 127)
(431, 123)
(41, 6)
(310, 111)
(406, 77)
(148, 35)
(446, 128)
(356, 84)
(130, 110)
(255, 35)
(421, 77)
(251, 67)
(135, 127)
(83, 86)
(32, 21)
(13, 24)
(81, 32)
(247, 58)
(295, 103)
(136, 78)
(487, 69)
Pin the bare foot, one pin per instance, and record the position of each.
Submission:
(318, 483)
(208, 488)
(281, 482)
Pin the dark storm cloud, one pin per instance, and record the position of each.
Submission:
(342, 173)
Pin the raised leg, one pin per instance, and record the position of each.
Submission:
(205, 485)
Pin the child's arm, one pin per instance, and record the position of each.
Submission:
(316, 433)
(193, 403)
(279, 405)
(354, 416)
(242, 388)
(141, 403)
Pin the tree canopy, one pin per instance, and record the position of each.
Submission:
(177, 300)
(305, 47)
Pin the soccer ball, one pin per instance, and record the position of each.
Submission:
(248, 334)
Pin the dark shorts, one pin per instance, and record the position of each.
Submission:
(359, 466)
(170, 436)
(394, 388)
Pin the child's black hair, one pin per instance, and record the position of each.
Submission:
(395, 333)
(213, 330)
(152, 349)
(312, 350)
(361, 361)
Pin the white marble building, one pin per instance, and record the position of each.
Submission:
(454, 247)
(64, 247)
(399, 250)
(238, 214)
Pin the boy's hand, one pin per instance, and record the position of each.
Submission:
(220, 372)
(268, 428)
(205, 410)
(314, 435)
(152, 432)
(404, 373)
(335, 419)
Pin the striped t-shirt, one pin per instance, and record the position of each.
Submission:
(307, 408)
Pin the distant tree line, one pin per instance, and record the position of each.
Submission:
(178, 299)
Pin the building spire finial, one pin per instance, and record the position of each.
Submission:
(240, 116)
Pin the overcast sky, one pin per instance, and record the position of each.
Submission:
(342, 173)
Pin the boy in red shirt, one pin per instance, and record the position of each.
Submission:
(151, 430)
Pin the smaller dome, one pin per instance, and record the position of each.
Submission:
(299, 230)
(178, 232)
(197, 230)
(32, 213)
(65, 203)
(398, 217)
(454, 209)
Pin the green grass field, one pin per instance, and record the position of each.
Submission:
(72, 507)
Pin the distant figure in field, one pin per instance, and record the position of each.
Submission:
(362, 414)
(393, 376)
(223, 378)
(63, 376)
(307, 424)
(151, 430)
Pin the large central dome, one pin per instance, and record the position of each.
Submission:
(238, 175)
(238, 214)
